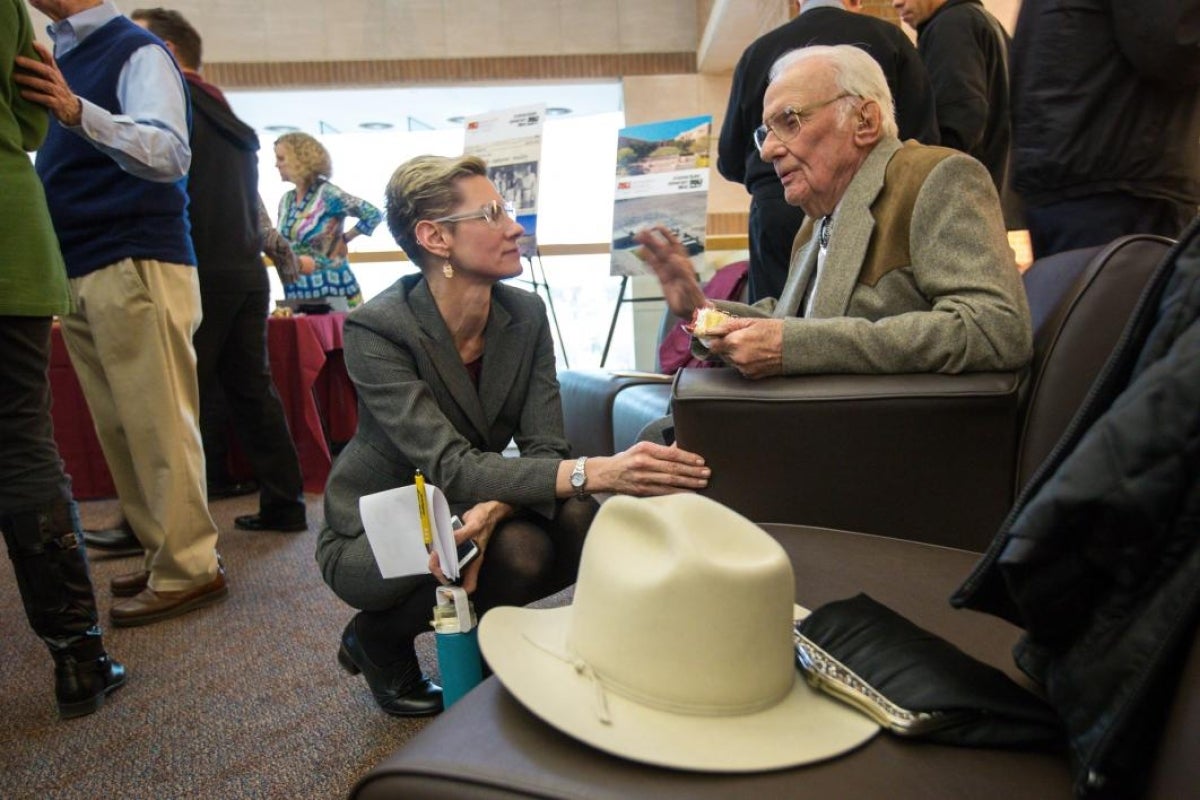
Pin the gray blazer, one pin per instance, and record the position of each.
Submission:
(939, 294)
(418, 408)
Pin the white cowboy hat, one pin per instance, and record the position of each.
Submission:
(678, 648)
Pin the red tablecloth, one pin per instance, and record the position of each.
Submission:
(309, 373)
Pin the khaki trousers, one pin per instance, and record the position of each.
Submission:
(130, 341)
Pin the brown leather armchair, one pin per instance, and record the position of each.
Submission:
(934, 458)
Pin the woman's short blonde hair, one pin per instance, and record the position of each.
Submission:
(425, 187)
(310, 156)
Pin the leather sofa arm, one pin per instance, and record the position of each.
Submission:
(588, 396)
(924, 457)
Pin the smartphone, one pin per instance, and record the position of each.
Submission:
(468, 550)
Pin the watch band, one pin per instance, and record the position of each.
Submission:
(579, 477)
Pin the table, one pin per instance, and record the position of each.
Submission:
(310, 376)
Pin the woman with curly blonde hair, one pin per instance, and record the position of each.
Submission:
(312, 215)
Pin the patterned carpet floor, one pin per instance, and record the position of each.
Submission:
(243, 699)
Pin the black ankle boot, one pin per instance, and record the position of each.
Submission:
(45, 546)
(81, 686)
(399, 688)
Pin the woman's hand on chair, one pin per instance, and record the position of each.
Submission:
(648, 469)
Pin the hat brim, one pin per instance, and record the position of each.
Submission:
(805, 727)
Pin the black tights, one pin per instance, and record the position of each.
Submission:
(527, 558)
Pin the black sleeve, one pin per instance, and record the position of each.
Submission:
(736, 130)
(916, 114)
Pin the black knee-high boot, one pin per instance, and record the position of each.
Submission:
(46, 548)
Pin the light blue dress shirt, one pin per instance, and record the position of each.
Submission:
(149, 138)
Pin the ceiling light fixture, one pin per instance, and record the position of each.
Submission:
(281, 128)
(557, 111)
(456, 120)
(376, 126)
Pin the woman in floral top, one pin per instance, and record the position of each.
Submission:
(311, 216)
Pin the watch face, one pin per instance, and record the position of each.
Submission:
(577, 479)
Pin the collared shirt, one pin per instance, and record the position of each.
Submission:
(150, 138)
(824, 227)
(809, 5)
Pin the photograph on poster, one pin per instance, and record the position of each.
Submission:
(662, 179)
(517, 183)
(510, 141)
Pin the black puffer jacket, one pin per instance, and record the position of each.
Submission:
(1106, 98)
(1099, 561)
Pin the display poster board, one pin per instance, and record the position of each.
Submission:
(662, 179)
(510, 141)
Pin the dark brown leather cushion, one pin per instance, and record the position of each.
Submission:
(1075, 336)
(922, 457)
(489, 746)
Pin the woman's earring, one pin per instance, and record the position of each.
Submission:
(448, 270)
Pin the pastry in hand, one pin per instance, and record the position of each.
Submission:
(707, 319)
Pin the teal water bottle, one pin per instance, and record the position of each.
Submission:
(457, 643)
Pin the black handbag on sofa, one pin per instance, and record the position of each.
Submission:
(917, 684)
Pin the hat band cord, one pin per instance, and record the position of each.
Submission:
(602, 684)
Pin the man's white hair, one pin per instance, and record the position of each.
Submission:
(854, 73)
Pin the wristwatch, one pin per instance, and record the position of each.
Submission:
(579, 476)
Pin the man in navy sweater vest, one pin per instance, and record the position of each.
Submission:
(114, 167)
(231, 345)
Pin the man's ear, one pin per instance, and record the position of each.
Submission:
(868, 124)
(431, 236)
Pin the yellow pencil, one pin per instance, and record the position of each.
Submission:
(423, 510)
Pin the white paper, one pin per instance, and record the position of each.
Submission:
(393, 526)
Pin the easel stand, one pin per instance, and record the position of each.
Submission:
(539, 283)
(621, 300)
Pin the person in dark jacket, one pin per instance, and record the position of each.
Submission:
(773, 222)
(1106, 119)
(231, 343)
(965, 50)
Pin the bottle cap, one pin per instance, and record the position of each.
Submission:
(454, 613)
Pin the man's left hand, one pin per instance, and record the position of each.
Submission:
(43, 83)
(753, 346)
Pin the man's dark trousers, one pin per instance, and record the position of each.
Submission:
(232, 360)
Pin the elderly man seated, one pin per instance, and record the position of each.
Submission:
(902, 263)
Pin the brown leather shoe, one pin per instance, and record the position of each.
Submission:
(151, 606)
(130, 583)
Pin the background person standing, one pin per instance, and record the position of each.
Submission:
(965, 50)
(114, 167)
(38, 516)
(231, 343)
(1106, 119)
(311, 216)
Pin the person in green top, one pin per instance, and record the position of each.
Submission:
(38, 515)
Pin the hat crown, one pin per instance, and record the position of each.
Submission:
(686, 606)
